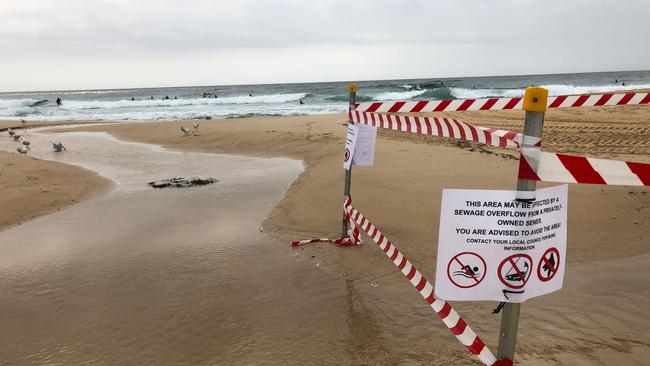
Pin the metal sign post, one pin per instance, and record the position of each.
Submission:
(535, 106)
(352, 89)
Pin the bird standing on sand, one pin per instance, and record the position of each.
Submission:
(195, 125)
(16, 136)
(58, 146)
(185, 131)
(25, 142)
(11, 132)
(23, 149)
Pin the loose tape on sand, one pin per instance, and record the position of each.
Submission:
(447, 314)
(494, 104)
(552, 167)
(351, 240)
(445, 127)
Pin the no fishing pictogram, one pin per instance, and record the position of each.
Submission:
(466, 269)
(549, 264)
(514, 271)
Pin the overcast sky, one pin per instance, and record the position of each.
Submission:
(79, 44)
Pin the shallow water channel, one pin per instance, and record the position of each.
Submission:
(162, 276)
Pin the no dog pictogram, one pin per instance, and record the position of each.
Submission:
(466, 269)
(549, 264)
(514, 271)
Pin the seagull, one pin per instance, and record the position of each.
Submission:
(185, 131)
(58, 146)
(195, 125)
(16, 137)
(25, 142)
(22, 149)
(11, 131)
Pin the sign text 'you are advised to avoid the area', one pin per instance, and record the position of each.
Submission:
(493, 247)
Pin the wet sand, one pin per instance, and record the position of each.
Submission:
(141, 276)
(263, 303)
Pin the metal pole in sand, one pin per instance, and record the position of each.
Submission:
(352, 89)
(535, 107)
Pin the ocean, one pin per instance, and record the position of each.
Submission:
(233, 101)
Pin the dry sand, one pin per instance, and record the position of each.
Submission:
(32, 187)
(599, 318)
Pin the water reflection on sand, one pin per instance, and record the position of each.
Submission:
(173, 276)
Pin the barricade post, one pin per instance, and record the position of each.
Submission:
(534, 104)
(352, 89)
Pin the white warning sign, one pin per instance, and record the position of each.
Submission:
(493, 247)
(364, 150)
(350, 144)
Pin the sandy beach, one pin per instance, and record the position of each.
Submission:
(33, 187)
(247, 298)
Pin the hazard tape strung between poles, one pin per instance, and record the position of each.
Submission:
(445, 127)
(447, 314)
(552, 167)
(493, 104)
(351, 240)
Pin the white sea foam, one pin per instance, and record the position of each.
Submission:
(399, 95)
(240, 99)
(462, 93)
(170, 112)
(553, 89)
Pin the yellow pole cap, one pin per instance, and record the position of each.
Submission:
(535, 99)
(352, 88)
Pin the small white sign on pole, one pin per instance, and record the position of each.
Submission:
(350, 143)
(492, 247)
(364, 151)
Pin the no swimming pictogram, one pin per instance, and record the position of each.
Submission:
(466, 269)
(548, 264)
(346, 157)
(514, 271)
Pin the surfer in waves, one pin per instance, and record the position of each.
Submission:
(59, 102)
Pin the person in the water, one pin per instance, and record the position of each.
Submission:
(59, 101)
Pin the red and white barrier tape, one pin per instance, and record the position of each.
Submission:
(445, 127)
(351, 240)
(552, 167)
(447, 314)
(493, 104)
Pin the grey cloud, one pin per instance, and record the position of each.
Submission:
(461, 37)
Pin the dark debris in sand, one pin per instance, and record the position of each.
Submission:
(178, 182)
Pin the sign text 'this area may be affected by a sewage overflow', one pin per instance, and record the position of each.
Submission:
(493, 247)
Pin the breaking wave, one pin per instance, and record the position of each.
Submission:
(399, 95)
(553, 89)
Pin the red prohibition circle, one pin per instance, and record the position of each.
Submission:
(455, 259)
(524, 278)
(347, 155)
(543, 261)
